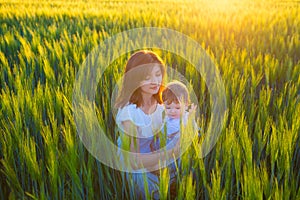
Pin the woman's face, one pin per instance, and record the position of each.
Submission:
(152, 82)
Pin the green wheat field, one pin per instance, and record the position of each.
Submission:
(254, 44)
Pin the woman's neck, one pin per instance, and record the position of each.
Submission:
(149, 104)
(148, 100)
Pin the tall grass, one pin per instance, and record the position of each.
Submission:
(255, 46)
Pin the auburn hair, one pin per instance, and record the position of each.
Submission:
(138, 66)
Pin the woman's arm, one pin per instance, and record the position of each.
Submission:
(150, 160)
(131, 130)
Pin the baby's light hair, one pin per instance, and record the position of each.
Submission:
(175, 92)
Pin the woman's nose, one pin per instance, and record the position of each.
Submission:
(155, 80)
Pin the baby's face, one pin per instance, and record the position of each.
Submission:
(173, 110)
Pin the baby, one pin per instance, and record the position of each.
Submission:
(176, 100)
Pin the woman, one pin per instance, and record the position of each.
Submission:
(140, 115)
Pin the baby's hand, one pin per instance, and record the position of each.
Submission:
(193, 108)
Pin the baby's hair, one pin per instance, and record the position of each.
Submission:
(175, 92)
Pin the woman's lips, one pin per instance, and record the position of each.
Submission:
(154, 87)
